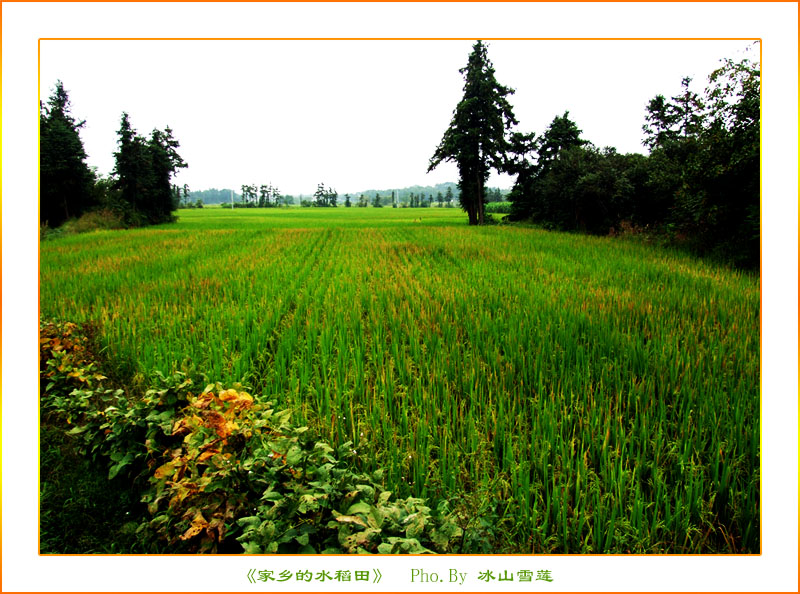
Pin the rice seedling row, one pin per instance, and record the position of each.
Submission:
(595, 395)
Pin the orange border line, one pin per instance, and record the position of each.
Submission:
(758, 39)
(420, 1)
(401, 38)
(1, 304)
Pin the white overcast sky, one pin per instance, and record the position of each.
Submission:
(354, 115)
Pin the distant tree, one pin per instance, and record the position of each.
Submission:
(477, 139)
(377, 201)
(362, 201)
(494, 195)
(65, 180)
(176, 197)
(319, 196)
(347, 201)
(440, 199)
(211, 196)
(325, 197)
(448, 197)
(250, 195)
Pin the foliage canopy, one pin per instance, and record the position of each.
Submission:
(478, 138)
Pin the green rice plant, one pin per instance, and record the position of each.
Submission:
(603, 395)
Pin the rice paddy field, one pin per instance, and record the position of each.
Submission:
(596, 394)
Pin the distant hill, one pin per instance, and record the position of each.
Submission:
(492, 194)
(213, 196)
(404, 193)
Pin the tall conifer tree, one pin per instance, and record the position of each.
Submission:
(65, 180)
(477, 139)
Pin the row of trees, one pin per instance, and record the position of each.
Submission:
(699, 185)
(142, 190)
(325, 197)
(139, 190)
(398, 200)
(263, 196)
(328, 197)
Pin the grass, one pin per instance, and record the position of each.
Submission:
(600, 395)
(81, 511)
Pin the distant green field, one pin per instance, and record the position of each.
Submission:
(602, 395)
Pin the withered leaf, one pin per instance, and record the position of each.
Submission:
(198, 524)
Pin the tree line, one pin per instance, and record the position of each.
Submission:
(699, 186)
(138, 191)
(263, 196)
(328, 197)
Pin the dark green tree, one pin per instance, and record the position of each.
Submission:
(562, 133)
(65, 180)
(164, 162)
(527, 198)
(477, 139)
(679, 119)
(143, 172)
(347, 202)
(704, 165)
(176, 197)
(320, 198)
(132, 172)
(448, 197)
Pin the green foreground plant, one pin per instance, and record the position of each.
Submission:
(223, 471)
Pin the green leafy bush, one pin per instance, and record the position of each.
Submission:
(223, 471)
(95, 220)
(498, 207)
